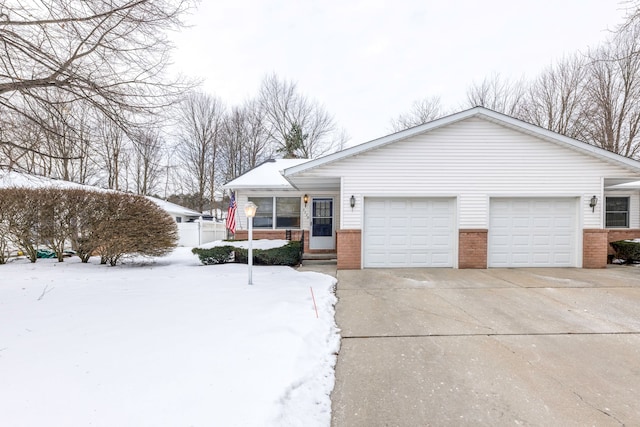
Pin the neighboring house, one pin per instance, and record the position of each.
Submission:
(194, 228)
(179, 213)
(475, 189)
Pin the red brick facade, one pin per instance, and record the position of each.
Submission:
(594, 248)
(349, 249)
(281, 234)
(472, 244)
(273, 235)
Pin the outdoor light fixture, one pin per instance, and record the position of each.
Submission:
(352, 201)
(250, 211)
(593, 203)
(306, 199)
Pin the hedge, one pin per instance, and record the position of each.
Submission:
(627, 250)
(289, 254)
(105, 223)
(215, 255)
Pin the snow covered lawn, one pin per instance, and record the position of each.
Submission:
(167, 342)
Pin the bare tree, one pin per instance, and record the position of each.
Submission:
(555, 99)
(110, 148)
(283, 106)
(148, 152)
(200, 120)
(244, 141)
(613, 94)
(632, 15)
(422, 111)
(498, 94)
(107, 54)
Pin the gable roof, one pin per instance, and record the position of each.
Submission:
(480, 112)
(267, 175)
(173, 208)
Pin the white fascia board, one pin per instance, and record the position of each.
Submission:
(634, 185)
(447, 120)
(230, 186)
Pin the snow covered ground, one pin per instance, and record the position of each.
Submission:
(166, 342)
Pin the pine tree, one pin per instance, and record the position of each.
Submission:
(293, 142)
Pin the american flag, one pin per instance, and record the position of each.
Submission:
(231, 214)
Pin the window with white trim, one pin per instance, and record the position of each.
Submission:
(276, 212)
(617, 212)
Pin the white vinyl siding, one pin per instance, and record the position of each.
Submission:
(473, 160)
(409, 232)
(533, 232)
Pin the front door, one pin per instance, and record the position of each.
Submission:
(322, 224)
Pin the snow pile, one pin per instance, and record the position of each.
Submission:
(24, 180)
(257, 244)
(164, 343)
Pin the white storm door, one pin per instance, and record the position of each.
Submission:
(322, 224)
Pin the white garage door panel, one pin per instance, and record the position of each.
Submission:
(531, 232)
(411, 232)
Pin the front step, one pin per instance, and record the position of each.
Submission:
(331, 256)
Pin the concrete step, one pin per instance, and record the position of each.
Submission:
(320, 257)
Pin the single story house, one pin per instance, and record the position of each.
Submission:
(475, 189)
(179, 213)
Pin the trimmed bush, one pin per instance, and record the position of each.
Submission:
(215, 255)
(108, 223)
(289, 254)
(626, 250)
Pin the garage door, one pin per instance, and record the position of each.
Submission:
(414, 232)
(533, 232)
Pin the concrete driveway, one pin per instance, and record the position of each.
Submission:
(488, 347)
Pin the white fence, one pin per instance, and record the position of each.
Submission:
(200, 232)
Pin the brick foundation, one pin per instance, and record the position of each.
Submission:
(594, 248)
(349, 246)
(273, 235)
(472, 252)
(472, 245)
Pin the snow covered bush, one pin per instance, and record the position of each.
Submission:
(627, 250)
(215, 255)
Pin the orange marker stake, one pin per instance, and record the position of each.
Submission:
(314, 301)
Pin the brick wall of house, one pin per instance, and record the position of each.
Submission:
(594, 248)
(274, 235)
(616, 234)
(349, 249)
(472, 244)
(472, 252)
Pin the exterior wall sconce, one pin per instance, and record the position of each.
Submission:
(593, 203)
(306, 199)
(352, 201)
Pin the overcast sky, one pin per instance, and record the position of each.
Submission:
(367, 61)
